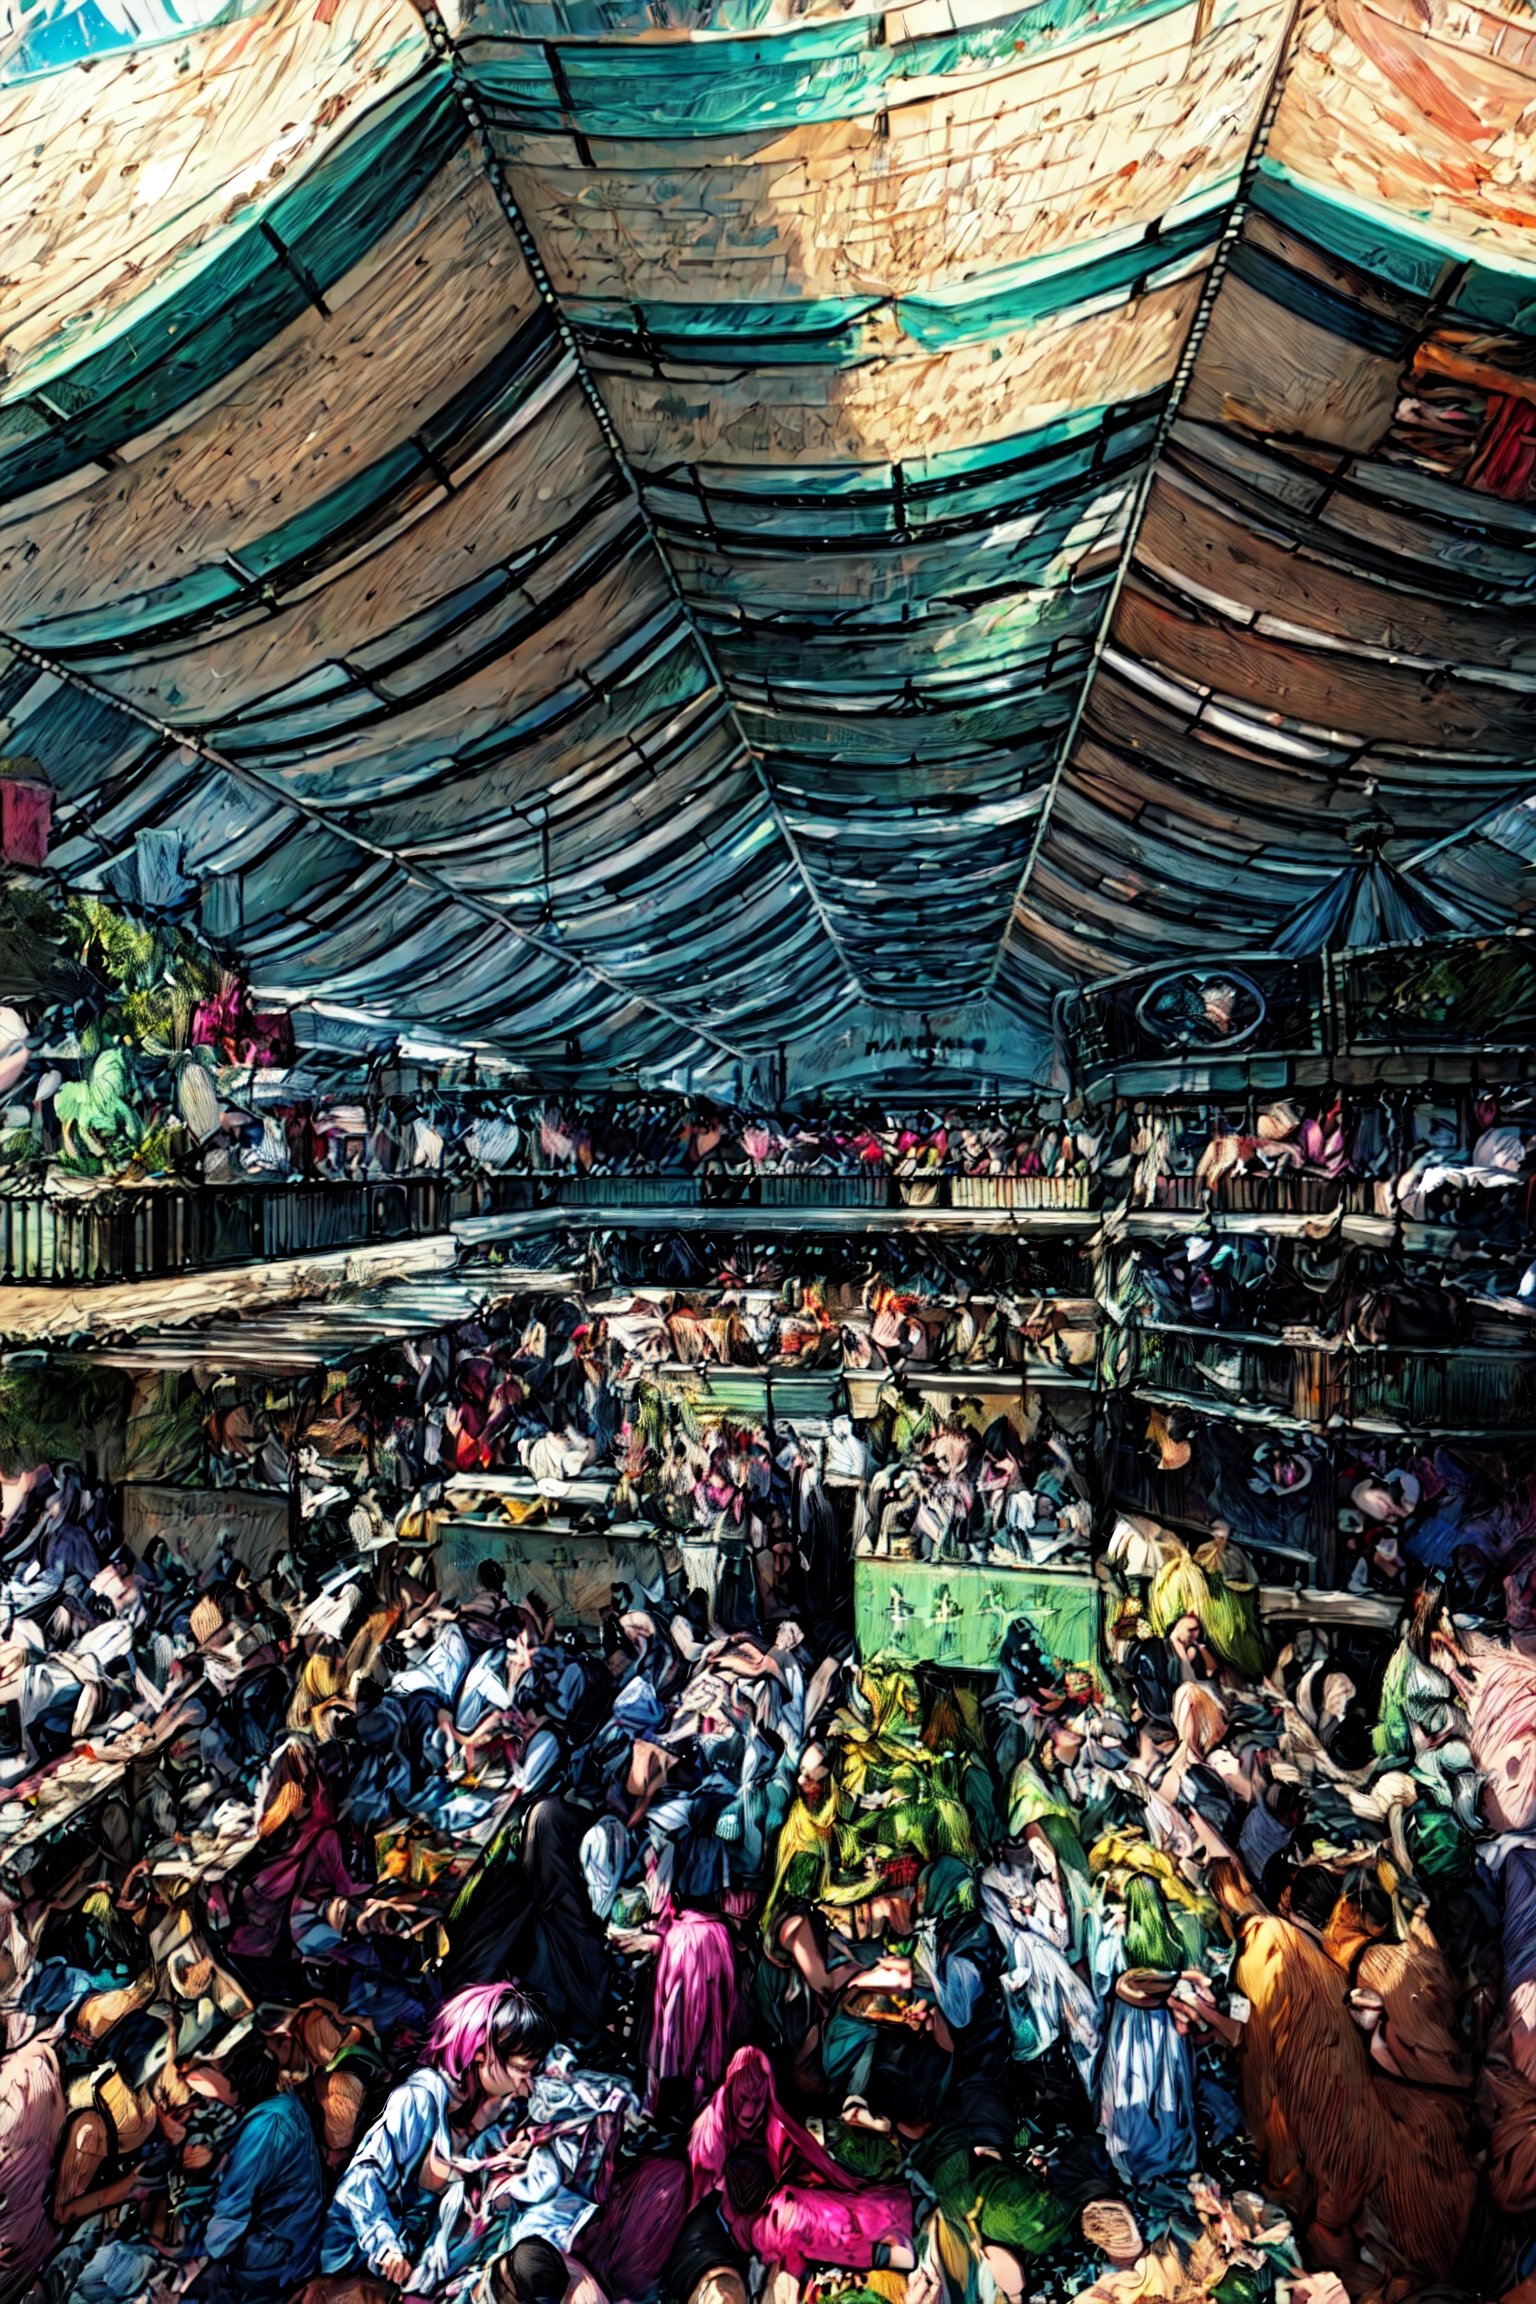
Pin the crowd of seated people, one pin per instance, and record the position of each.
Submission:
(615, 1137)
(1457, 1159)
(367, 1941)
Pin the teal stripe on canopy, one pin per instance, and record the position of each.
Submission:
(840, 331)
(1004, 639)
(953, 503)
(717, 87)
(1498, 292)
(299, 244)
(319, 535)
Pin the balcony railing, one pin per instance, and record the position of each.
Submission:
(1212, 1370)
(731, 1188)
(679, 1191)
(123, 1233)
(1457, 1390)
(868, 1191)
(150, 1233)
(1283, 1194)
(1078, 1191)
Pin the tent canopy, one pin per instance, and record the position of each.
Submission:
(633, 534)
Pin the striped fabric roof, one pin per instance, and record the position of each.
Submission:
(639, 531)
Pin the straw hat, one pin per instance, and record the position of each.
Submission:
(207, 1620)
(132, 2118)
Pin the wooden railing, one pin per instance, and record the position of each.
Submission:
(154, 1232)
(1210, 1370)
(731, 1188)
(1283, 1194)
(124, 1233)
(1457, 1388)
(1460, 1389)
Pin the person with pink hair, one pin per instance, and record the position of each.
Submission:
(782, 2196)
(480, 2061)
(695, 2002)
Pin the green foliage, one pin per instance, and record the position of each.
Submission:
(129, 993)
(153, 977)
(160, 1141)
(99, 1107)
(36, 951)
(49, 1415)
(21, 1149)
(1151, 1940)
(117, 950)
(165, 1433)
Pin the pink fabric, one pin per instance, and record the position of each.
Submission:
(312, 1868)
(626, 2244)
(26, 820)
(696, 2005)
(31, 2122)
(800, 2226)
(1322, 1144)
(818, 2212)
(744, 2110)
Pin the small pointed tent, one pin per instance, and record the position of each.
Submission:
(1369, 902)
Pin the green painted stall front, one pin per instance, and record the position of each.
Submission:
(930, 1612)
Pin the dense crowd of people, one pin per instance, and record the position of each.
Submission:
(1465, 1159)
(1468, 1162)
(132, 1051)
(219, 1122)
(615, 1137)
(375, 1927)
(363, 1943)
(559, 1385)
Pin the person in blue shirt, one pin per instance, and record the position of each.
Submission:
(481, 2060)
(262, 2238)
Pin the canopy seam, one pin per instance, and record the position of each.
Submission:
(1178, 384)
(569, 962)
(445, 47)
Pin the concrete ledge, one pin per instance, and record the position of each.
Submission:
(48, 1315)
